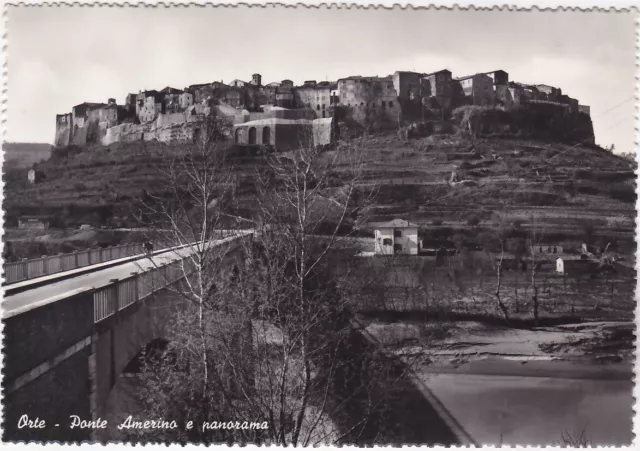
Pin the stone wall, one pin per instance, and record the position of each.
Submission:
(38, 385)
(123, 133)
(53, 397)
(64, 130)
(373, 103)
(406, 83)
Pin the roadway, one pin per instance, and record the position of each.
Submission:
(534, 403)
(14, 304)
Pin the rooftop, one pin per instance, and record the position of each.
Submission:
(394, 224)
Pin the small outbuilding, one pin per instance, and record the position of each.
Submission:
(35, 176)
(560, 265)
(33, 222)
(396, 237)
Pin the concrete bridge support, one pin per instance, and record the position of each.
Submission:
(60, 362)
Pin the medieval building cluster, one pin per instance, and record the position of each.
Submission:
(277, 114)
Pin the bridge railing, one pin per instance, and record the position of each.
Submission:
(124, 292)
(46, 265)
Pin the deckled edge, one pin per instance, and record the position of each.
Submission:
(631, 7)
(637, 293)
(3, 126)
(318, 5)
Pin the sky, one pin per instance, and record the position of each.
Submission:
(59, 57)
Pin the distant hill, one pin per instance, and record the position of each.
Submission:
(24, 155)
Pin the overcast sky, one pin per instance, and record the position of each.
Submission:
(62, 56)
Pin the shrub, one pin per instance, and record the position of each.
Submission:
(622, 192)
(437, 222)
(473, 220)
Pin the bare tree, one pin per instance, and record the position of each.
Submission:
(496, 238)
(275, 340)
(534, 241)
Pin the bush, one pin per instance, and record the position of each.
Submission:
(622, 192)
(436, 222)
(473, 220)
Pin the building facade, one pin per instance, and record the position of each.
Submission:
(396, 237)
(370, 103)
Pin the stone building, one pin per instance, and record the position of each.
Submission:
(508, 96)
(237, 83)
(149, 105)
(407, 84)
(64, 130)
(584, 109)
(439, 87)
(35, 176)
(396, 237)
(499, 77)
(171, 100)
(33, 222)
(284, 95)
(256, 80)
(478, 89)
(315, 96)
(370, 101)
(284, 134)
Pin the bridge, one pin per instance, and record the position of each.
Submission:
(69, 336)
(52, 264)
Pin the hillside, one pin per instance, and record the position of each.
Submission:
(441, 182)
(24, 155)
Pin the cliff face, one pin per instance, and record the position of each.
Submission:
(540, 121)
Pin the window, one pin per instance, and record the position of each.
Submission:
(382, 104)
(390, 104)
(386, 242)
(397, 233)
(397, 248)
(318, 107)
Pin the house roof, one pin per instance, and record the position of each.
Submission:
(436, 72)
(370, 79)
(395, 224)
(170, 90)
(466, 77)
(34, 217)
(479, 73)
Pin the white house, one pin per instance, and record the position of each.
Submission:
(396, 237)
(560, 265)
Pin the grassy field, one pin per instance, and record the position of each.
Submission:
(464, 288)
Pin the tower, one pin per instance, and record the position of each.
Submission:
(256, 79)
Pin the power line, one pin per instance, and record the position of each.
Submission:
(617, 123)
(614, 107)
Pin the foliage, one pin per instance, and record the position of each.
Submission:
(272, 339)
(473, 220)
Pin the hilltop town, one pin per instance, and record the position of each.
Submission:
(275, 114)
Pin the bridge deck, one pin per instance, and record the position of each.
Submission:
(23, 301)
(52, 277)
